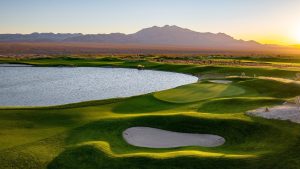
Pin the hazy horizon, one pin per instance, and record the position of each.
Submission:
(265, 21)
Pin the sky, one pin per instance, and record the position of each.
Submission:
(266, 21)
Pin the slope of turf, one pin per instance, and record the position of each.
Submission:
(230, 105)
(88, 135)
(272, 88)
(142, 104)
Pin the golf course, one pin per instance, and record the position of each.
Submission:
(202, 125)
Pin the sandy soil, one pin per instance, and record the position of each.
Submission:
(290, 112)
(157, 138)
(221, 81)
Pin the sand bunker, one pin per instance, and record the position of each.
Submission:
(221, 81)
(157, 138)
(289, 112)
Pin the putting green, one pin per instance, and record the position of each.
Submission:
(197, 92)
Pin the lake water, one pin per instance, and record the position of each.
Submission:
(40, 86)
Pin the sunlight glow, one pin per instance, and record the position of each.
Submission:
(297, 36)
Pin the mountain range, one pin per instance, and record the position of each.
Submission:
(166, 35)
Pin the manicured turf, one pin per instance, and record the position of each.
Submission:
(230, 105)
(197, 92)
(88, 135)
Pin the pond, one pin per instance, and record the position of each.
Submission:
(43, 86)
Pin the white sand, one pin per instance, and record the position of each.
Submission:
(157, 138)
(221, 81)
(289, 112)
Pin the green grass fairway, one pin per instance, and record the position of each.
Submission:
(88, 135)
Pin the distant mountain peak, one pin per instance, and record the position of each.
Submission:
(155, 35)
(171, 26)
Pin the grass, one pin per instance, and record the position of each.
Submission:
(88, 135)
(197, 92)
(181, 68)
(229, 105)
